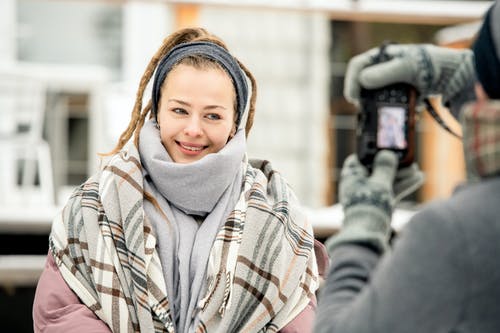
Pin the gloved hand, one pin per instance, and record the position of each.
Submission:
(430, 69)
(368, 201)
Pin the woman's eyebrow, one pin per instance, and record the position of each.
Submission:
(179, 101)
(211, 107)
(208, 107)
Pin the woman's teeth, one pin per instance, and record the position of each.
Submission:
(191, 148)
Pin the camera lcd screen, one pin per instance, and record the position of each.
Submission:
(391, 127)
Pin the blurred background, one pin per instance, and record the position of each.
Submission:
(69, 71)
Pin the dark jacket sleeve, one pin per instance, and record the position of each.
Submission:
(417, 287)
(56, 307)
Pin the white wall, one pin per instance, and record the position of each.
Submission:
(8, 31)
(145, 25)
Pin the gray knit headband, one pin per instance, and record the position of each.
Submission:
(211, 51)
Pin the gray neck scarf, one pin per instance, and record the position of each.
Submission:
(208, 188)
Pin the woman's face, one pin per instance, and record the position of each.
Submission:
(196, 112)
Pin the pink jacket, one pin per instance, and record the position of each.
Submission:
(56, 308)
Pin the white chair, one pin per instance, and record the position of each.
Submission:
(23, 151)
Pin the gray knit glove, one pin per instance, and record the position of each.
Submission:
(368, 201)
(430, 69)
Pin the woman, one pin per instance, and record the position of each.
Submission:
(218, 244)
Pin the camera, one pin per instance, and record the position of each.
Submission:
(387, 121)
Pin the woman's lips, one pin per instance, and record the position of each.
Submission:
(190, 148)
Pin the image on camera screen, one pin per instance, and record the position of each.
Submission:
(391, 127)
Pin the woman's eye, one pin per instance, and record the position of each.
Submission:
(213, 116)
(179, 111)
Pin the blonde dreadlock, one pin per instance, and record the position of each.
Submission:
(139, 115)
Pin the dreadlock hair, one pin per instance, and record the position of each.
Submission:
(139, 114)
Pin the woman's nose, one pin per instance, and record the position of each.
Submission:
(193, 127)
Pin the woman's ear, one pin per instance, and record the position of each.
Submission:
(232, 133)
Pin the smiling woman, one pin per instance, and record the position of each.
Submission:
(196, 113)
(164, 238)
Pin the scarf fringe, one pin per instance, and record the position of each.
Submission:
(212, 287)
(226, 301)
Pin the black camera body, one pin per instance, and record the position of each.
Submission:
(387, 121)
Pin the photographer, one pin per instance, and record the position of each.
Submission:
(442, 274)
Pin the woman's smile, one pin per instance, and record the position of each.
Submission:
(191, 149)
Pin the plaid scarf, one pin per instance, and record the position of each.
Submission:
(261, 272)
(481, 138)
